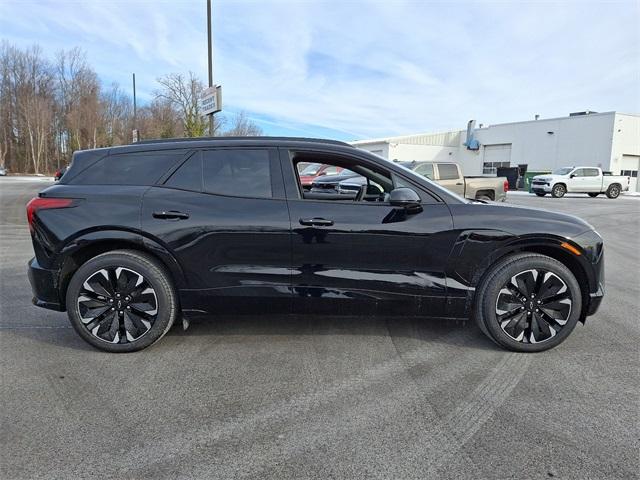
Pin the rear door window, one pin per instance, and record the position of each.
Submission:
(590, 172)
(136, 168)
(239, 173)
(447, 171)
(188, 176)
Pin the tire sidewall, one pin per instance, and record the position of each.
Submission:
(611, 190)
(156, 277)
(558, 191)
(501, 276)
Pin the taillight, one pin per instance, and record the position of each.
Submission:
(506, 186)
(39, 203)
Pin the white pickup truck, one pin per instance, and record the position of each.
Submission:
(589, 180)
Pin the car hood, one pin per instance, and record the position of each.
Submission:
(549, 177)
(517, 220)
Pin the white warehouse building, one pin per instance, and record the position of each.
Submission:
(609, 140)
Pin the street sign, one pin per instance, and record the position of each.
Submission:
(211, 100)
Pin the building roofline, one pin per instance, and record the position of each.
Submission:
(402, 137)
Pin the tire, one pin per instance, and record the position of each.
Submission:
(613, 191)
(593, 194)
(540, 194)
(485, 198)
(102, 307)
(518, 321)
(558, 190)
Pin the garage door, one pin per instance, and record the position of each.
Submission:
(495, 156)
(629, 166)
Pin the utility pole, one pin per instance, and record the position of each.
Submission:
(134, 133)
(210, 61)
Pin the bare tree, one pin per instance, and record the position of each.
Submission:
(184, 95)
(242, 126)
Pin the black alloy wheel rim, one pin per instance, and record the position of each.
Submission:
(533, 306)
(117, 305)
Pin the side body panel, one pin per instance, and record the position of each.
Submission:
(235, 251)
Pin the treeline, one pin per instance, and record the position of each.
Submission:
(50, 108)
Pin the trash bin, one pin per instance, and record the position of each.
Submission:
(529, 175)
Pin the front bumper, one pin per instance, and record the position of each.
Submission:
(541, 187)
(45, 286)
(595, 299)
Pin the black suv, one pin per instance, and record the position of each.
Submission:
(134, 237)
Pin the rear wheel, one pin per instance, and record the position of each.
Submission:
(593, 194)
(558, 191)
(613, 191)
(540, 194)
(484, 198)
(528, 303)
(121, 301)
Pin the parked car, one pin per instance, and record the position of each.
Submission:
(3, 171)
(590, 180)
(134, 237)
(59, 173)
(330, 183)
(315, 170)
(449, 175)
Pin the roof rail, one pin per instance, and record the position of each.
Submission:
(285, 139)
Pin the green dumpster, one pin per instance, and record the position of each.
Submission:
(529, 175)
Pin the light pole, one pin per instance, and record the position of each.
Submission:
(210, 61)
(134, 133)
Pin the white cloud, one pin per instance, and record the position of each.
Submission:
(363, 68)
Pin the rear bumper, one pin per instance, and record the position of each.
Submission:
(44, 285)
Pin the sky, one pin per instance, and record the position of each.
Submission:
(359, 69)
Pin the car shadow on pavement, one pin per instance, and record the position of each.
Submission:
(421, 330)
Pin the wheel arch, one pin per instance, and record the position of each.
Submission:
(90, 245)
(550, 247)
(486, 192)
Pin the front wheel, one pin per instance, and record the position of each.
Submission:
(558, 191)
(121, 301)
(528, 303)
(613, 191)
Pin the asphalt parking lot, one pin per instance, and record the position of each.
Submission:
(321, 397)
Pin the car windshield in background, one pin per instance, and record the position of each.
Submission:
(311, 169)
(562, 171)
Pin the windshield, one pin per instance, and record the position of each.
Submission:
(311, 169)
(562, 171)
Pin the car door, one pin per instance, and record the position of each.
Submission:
(361, 257)
(223, 216)
(450, 178)
(592, 180)
(575, 182)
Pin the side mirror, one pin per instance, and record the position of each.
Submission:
(572, 175)
(406, 198)
(322, 173)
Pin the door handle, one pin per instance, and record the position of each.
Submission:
(316, 222)
(171, 214)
